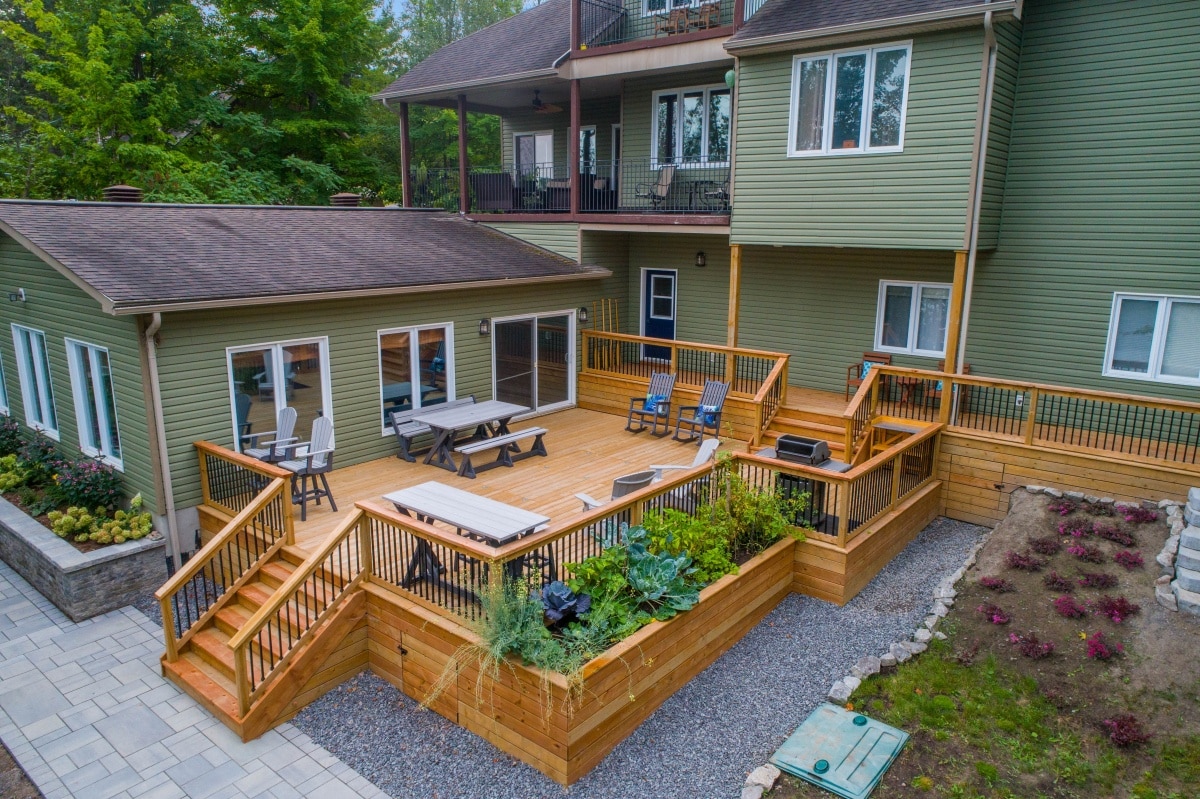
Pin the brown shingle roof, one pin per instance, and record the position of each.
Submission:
(143, 257)
(527, 42)
(779, 18)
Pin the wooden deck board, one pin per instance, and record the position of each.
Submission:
(587, 451)
(812, 399)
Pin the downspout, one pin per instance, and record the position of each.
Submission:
(164, 464)
(989, 41)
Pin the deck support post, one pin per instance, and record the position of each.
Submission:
(406, 186)
(573, 146)
(735, 294)
(957, 298)
(464, 198)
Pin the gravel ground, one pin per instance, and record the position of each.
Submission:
(702, 741)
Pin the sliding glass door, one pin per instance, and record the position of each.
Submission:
(533, 360)
(265, 378)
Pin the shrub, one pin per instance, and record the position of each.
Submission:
(1067, 606)
(1097, 580)
(676, 533)
(1117, 609)
(997, 584)
(12, 476)
(1048, 545)
(1128, 559)
(40, 459)
(1136, 514)
(1063, 507)
(994, 614)
(88, 482)
(1125, 730)
(1086, 553)
(1029, 646)
(1056, 582)
(1099, 649)
(10, 436)
(1111, 532)
(81, 524)
(1023, 561)
(1076, 528)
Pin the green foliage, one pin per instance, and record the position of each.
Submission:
(12, 476)
(81, 524)
(39, 459)
(10, 435)
(752, 519)
(675, 532)
(88, 482)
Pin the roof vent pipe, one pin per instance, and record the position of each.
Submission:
(345, 200)
(122, 194)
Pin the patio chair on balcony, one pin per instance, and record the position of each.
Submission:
(656, 406)
(934, 395)
(622, 486)
(705, 416)
(493, 190)
(275, 448)
(311, 459)
(657, 191)
(708, 16)
(677, 21)
(717, 196)
(856, 374)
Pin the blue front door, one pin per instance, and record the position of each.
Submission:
(658, 310)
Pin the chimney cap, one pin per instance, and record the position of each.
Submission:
(122, 193)
(345, 199)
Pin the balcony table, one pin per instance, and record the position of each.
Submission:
(488, 418)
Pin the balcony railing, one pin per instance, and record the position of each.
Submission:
(607, 22)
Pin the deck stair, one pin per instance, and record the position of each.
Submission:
(797, 421)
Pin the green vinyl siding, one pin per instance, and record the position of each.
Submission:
(1004, 89)
(916, 199)
(1101, 192)
(819, 305)
(195, 384)
(602, 112)
(61, 310)
(558, 237)
(611, 250)
(701, 294)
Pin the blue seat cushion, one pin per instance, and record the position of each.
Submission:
(652, 402)
(866, 369)
(710, 413)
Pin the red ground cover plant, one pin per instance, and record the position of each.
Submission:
(1029, 646)
(1136, 514)
(1023, 561)
(1125, 730)
(994, 613)
(1077, 528)
(1056, 582)
(1063, 507)
(1114, 533)
(1097, 580)
(1068, 607)
(1099, 649)
(997, 584)
(1086, 553)
(1128, 559)
(1117, 609)
(1047, 545)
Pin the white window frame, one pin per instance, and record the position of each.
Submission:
(1157, 347)
(279, 368)
(414, 352)
(868, 101)
(677, 161)
(36, 388)
(540, 167)
(914, 318)
(671, 5)
(76, 350)
(5, 409)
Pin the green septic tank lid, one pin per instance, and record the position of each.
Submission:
(845, 753)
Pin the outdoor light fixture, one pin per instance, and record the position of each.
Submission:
(700, 259)
(485, 327)
(16, 296)
(583, 314)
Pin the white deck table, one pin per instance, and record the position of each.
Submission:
(488, 418)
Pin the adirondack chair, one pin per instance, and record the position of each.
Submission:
(311, 459)
(656, 405)
(708, 16)
(678, 21)
(241, 408)
(275, 449)
(621, 487)
(657, 191)
(691, 495)
(705, 416)
(856, 373)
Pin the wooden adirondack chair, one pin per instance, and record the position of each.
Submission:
(656, 405)
(705, 416)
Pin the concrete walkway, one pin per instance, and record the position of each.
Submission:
(87, 714)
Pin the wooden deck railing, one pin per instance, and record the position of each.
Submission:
(857, 417)
(770, 398)
(265, 644)
(229, 481)
(195, 593)
(1053, 417)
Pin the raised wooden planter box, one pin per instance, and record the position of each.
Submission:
(80, 584)
(532, 715)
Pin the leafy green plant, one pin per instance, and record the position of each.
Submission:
(74, 523)
(10, 436)
(81, 524)
(673, 532)
(87, 481)
(12, 476)
(660, 581)
(39, 458)
(752, 518)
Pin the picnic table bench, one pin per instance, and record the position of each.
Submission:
(408, 429)
(509, 451)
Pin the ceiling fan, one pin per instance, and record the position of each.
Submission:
(543, 108)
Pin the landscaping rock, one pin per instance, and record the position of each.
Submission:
(931, 622)
(1075, 495)
(1035, 489)
(1091, 500)
(1188, 580)
(1107, 500)
(1163, 593)
(1053, 492)
(1188, 559)
(839, 693)
(1188, 601)
(901, 653)
(866, 666)
(1194, 497)
(851, 682)
(887, 661)
(1177, 527)
(915, 647)
(752, 792)
(945, 592)
(1163, 504)
(947, 601)
(1166, 560)
(1172, 544)
(940, 609)
(923, 635)
(940, 636)
(1190, 538)
(764, 776)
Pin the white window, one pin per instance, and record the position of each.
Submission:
(1154, 338)
(33, 369)
(849, 102)
(265, 378)
(95, 402)
(911, 318)
(691, 126)
(416, 368)
(534, 154)
(3, 391)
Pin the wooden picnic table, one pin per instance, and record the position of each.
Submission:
(488, 418)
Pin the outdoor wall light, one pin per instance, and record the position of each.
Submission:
(700, 259)
(583, 314)
(485, 327)
(16, 296)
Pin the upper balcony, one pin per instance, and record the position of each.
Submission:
(605, 24)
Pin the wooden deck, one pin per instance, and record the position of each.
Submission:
(587, 451)
(812, 399)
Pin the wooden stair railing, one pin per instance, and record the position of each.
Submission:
(857, 417)
(770, 398)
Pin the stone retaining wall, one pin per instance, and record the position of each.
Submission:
(80, 584)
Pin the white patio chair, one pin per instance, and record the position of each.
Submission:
(273, 450)
(312, 458)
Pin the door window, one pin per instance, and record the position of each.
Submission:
(662, 296)
(416, 368)
(266, 378)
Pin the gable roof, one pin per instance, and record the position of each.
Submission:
(525, 45)
(143, 257)
(789, 20)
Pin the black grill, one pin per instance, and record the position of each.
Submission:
(806, 451)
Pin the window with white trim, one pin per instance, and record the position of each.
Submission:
(650, 7)
(95, 401)
(33, 369)
(691, 126)
(416, 368)
(3, 391)
(849, 102)
(1154, 337)
(911, 318)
